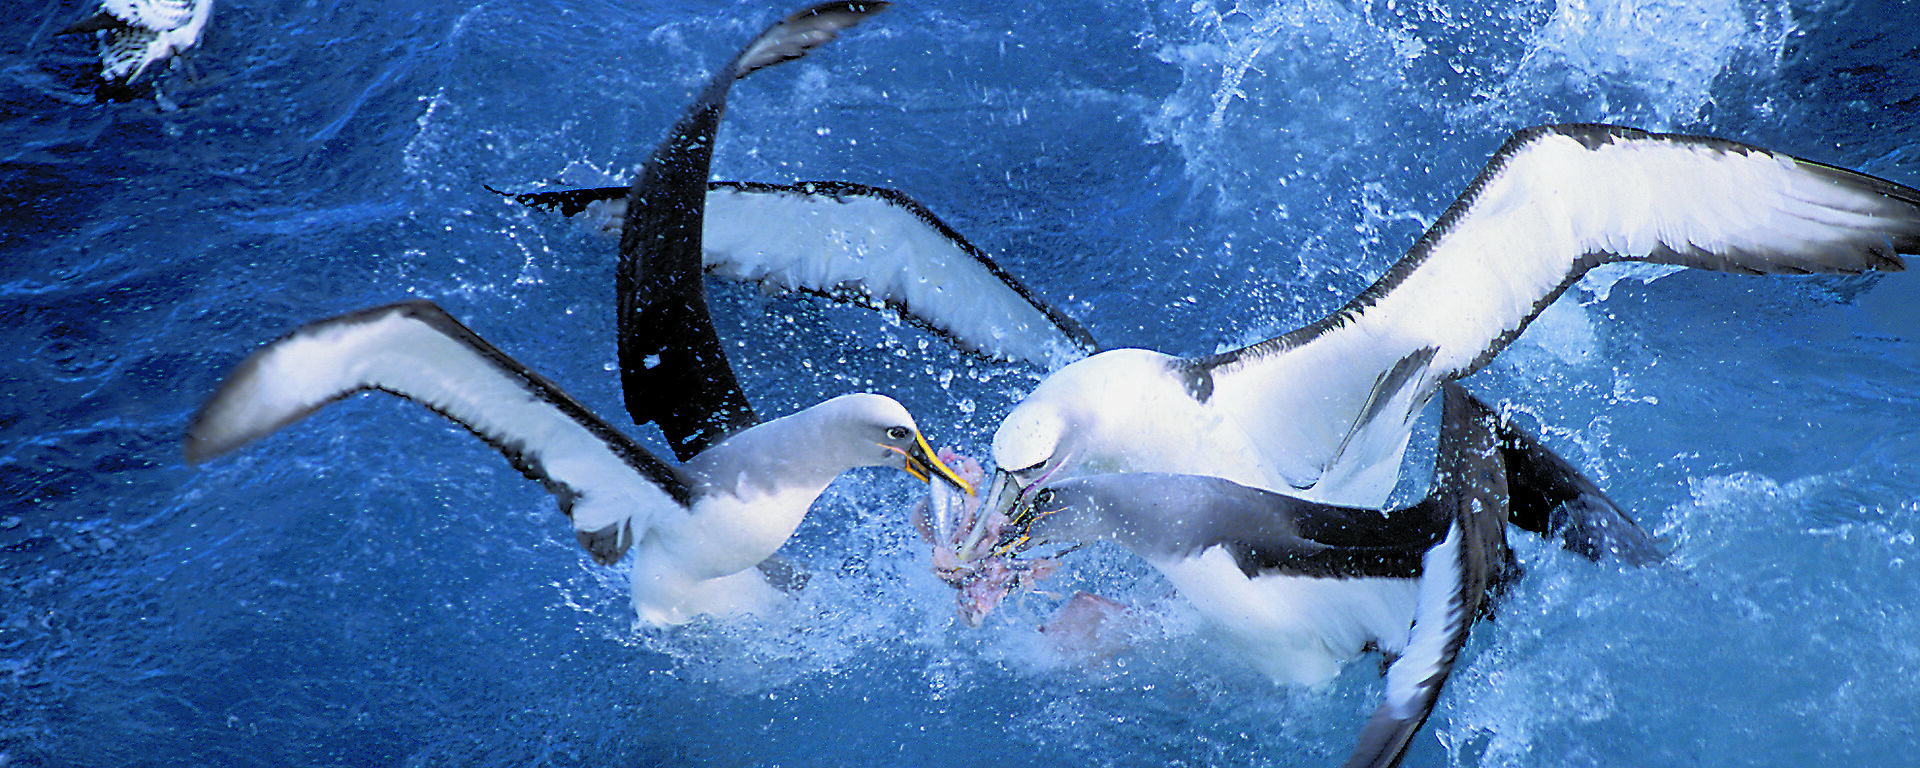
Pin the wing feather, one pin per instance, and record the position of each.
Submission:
(610, 486)
(1554, 202)
(865, 245)
(155, 15)
(673, 370)
(1455, 579)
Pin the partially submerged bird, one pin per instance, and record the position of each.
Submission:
(1301, 587)
(701, 532)
(137, 34)
(1325, 411)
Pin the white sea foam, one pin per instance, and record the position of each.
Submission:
(1331, 82)
(1650, 62)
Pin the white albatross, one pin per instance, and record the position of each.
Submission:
(1325, 411)
(137, 34)
(697, 531)
(702, 534)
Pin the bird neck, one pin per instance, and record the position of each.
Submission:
(794, 453)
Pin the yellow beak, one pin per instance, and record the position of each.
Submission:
(922, 464)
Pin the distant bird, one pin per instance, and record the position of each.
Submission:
(703, 533)
(1325, 411)
(137, 34)
(1300, 587)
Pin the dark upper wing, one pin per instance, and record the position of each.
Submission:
(1470, 480)
(610, 487)
(867, 245)
(1553, 202)
(1552, 498)
(1168, 516)
(673, 370)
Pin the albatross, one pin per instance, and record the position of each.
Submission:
(701, 532)
(1303, 587)
(698, 531)
(1325, 411)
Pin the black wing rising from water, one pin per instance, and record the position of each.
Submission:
(673, 370)
(1458, 575)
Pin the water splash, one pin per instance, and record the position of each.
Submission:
(1651, 63)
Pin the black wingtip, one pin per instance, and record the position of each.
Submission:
(568, 202)
(1383, 742)
(1470, 468)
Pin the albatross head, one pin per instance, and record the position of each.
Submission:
(876, 431)
(1098, 414)
(1032, 444)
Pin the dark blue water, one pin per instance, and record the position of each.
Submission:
(374, 587)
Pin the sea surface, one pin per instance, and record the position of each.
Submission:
(372, 586)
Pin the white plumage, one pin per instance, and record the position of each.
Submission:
(1302, 587)
(137, 34)
(697, 532)
(863, 244)
(1325, 411)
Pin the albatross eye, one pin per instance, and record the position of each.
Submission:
(898, 433)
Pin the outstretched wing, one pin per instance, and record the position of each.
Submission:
(1554, 202)
(1470, 481)
(866, 245)
(673, 370)
(610, 487)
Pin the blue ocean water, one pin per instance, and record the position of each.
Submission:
(374, 587)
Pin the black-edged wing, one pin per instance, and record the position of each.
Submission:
(1470, 479)
(673, 370)
(865, 245)
(609, 486)
(1553, 202)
